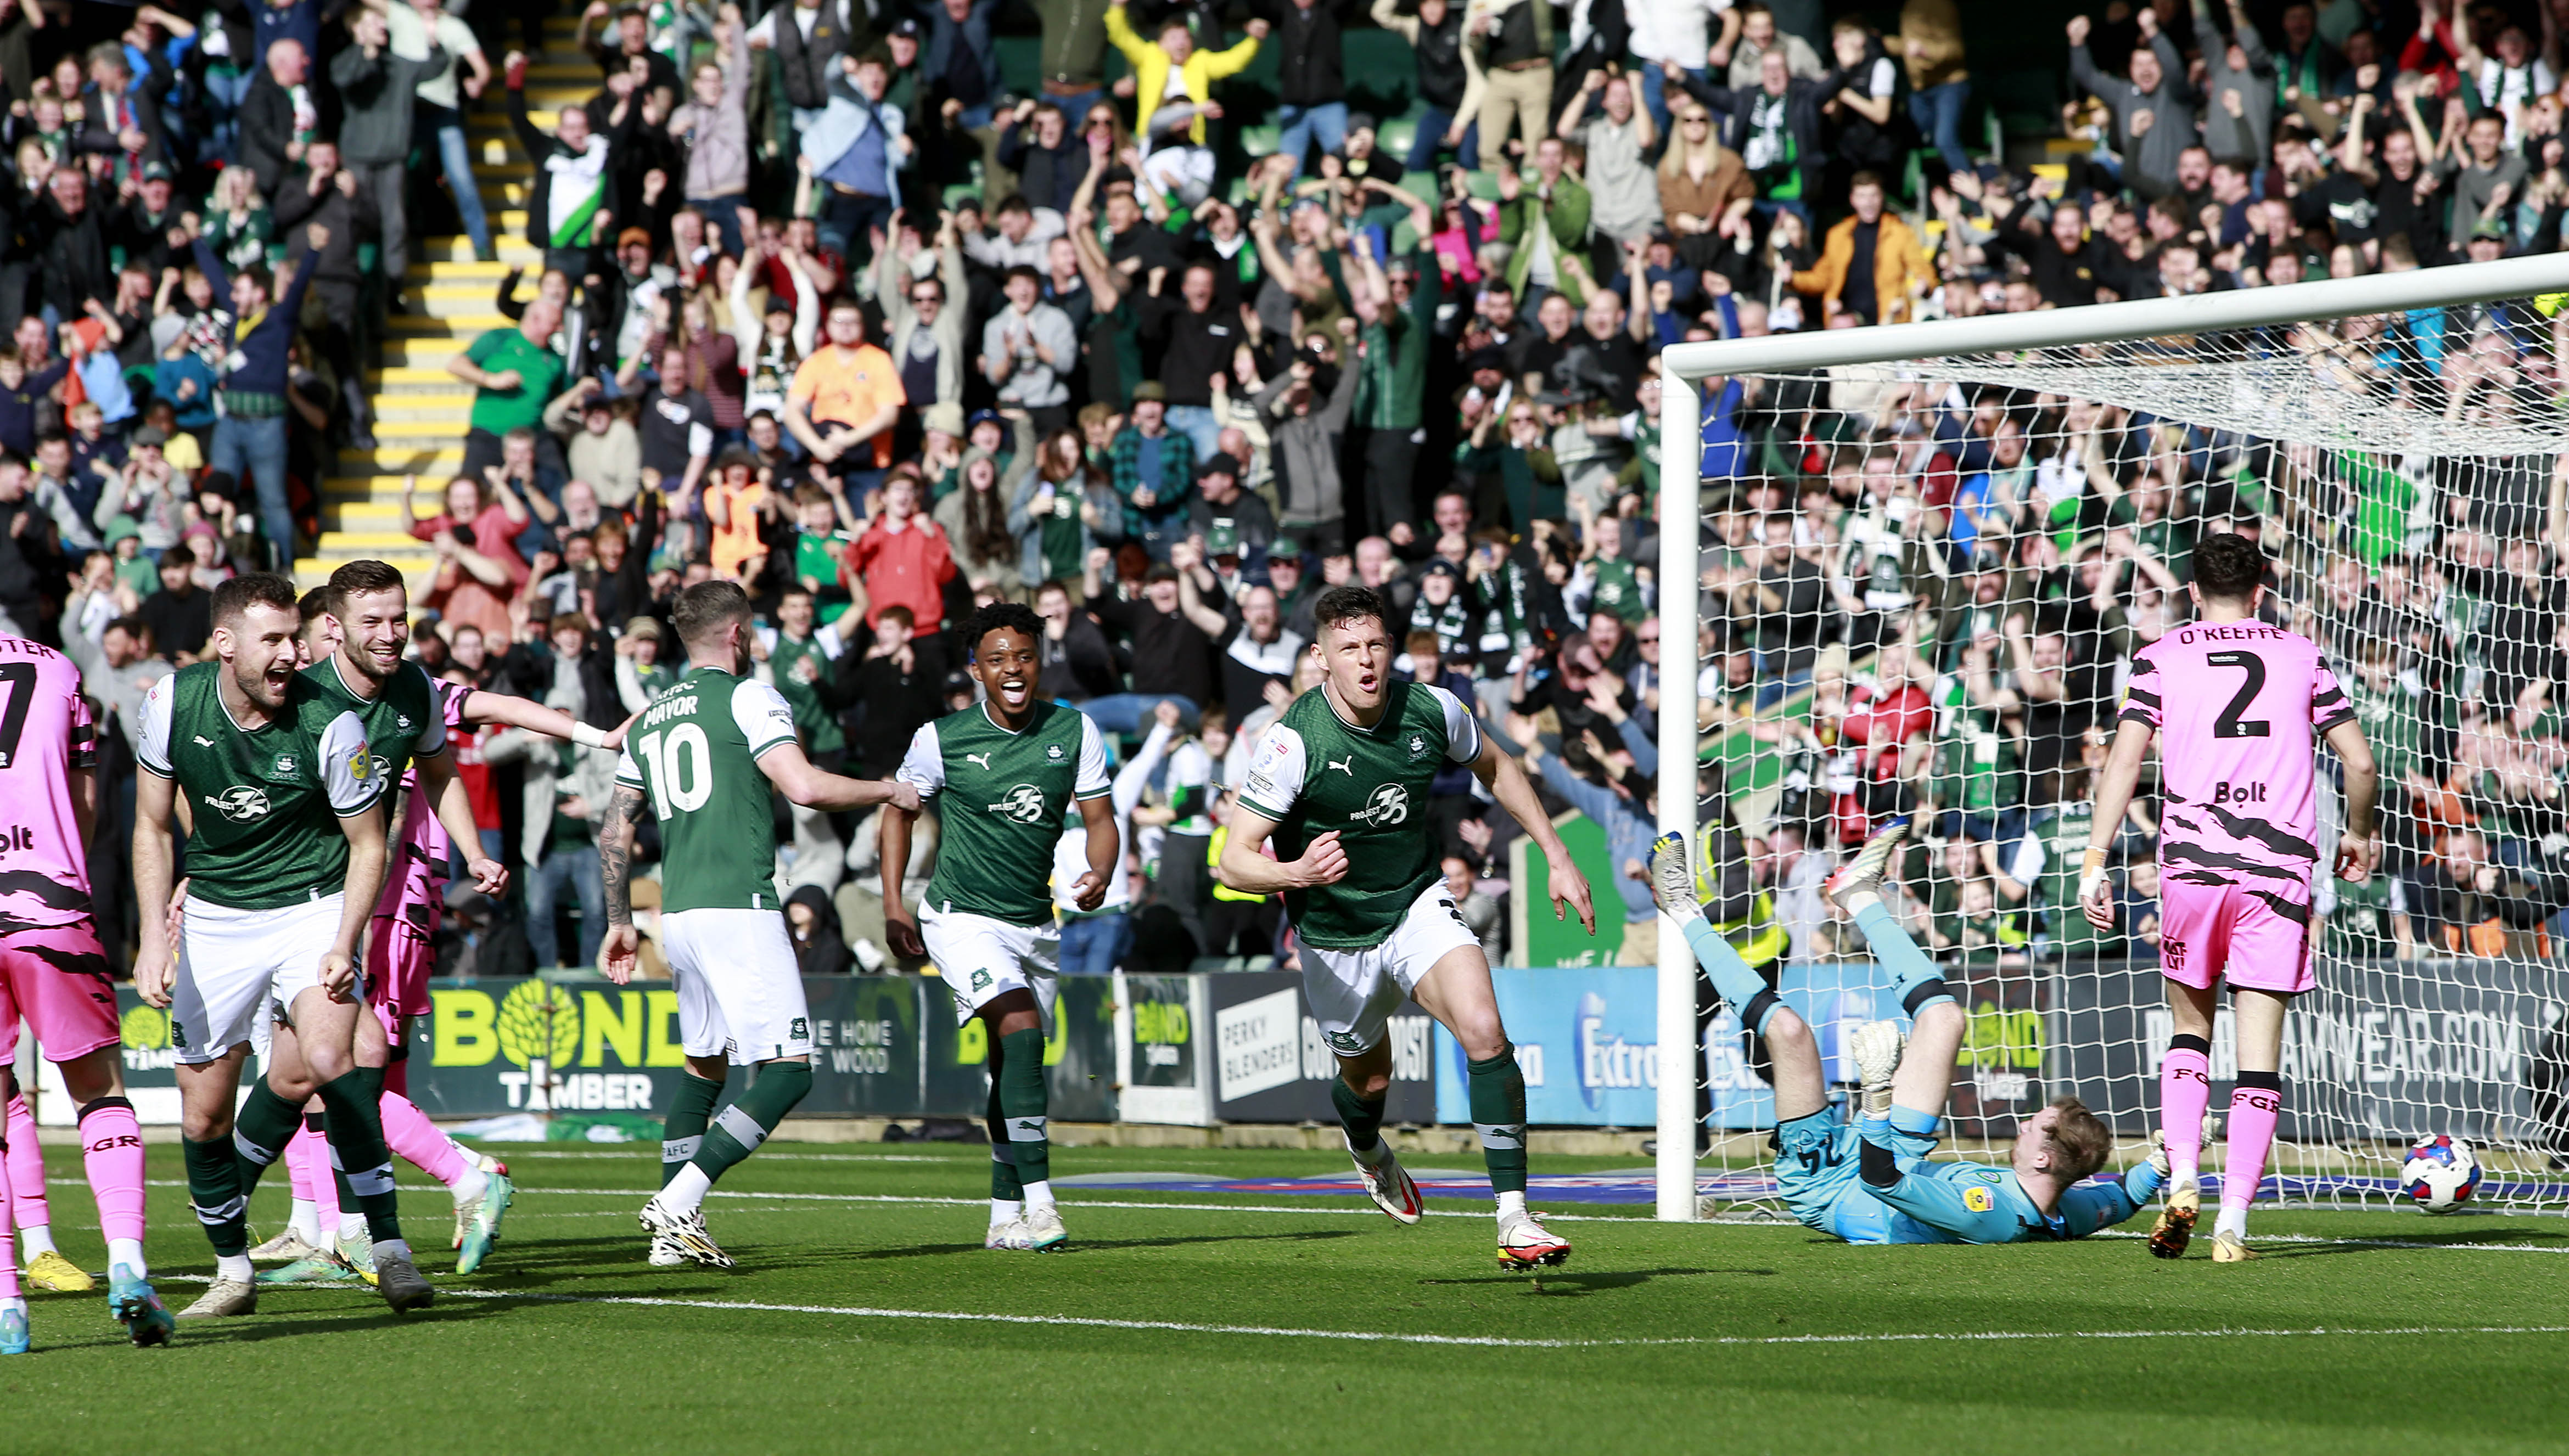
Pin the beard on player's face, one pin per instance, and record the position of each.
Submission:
(264, 672)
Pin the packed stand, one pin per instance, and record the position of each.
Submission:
(1166, 344)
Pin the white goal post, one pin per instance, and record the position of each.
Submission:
(1683, 368)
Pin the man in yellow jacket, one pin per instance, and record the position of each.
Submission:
(1197, 72)
(1871, 265)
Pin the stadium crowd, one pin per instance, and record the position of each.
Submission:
(827, 305)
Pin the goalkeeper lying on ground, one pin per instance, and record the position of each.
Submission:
(1870, 1182)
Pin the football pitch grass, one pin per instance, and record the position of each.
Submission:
(866, 1315)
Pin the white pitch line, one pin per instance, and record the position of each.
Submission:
(1343, 1211)
(1379, 1336)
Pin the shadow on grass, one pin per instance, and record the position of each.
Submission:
(2404, 1242)
(253, 1328)
(1585, 1282)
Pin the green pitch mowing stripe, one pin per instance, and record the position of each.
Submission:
(1499, 1341)
(866, 1315)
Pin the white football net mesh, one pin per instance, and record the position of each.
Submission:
(1923, 587)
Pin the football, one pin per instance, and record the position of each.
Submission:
(2440, 1174)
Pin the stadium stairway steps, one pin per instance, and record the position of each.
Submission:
(421, 412)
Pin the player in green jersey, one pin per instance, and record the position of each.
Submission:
(355, 642)
(1005, 774)
(701, 757)
(284, 861)
(1340, 783)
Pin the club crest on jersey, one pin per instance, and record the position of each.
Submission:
(286, 764)
(1388, 805)
(1417, 746)
(240, 804)
(1024, 804)
(1053, 752)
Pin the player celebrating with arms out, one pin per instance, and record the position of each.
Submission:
(1006, 771)
(1868, 1181)
(702, 755)
(2235, 705)
(1340, 782)
(285, 863)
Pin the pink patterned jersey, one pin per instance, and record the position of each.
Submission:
(414, 884)
(45, 734)
(2239, 708)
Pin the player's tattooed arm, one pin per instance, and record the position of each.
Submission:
(614, 866)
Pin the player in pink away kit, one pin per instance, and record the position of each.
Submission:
(54, 973)
(2237, 706)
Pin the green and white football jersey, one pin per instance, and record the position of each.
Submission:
(403, 722)
(694, 754)
(1001, 798)
(266, 799)
(2360, 915)
(1314, 772)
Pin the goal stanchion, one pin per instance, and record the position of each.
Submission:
(1972, 524)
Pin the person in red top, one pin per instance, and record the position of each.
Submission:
(478, 567)
(1882, 717)
(903, 558)
(467, 742)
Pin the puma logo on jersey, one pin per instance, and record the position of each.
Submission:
(1346, 766)
(204, 742)
(982, 759)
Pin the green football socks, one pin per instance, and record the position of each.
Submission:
(1006, 1188)
(356, 1134)
(260, 1131)
(213, 1187)
(1497, 1094)
(1024, 1102)
(735, 1133)
(683, 1131)
(1362, 1119)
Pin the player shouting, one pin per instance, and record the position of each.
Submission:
(1340, 781)
(702, 755)
(1868, 1181)
(2235, 705)
(285, 860)
(54, 973)
(1006, 773)
(359, 642)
